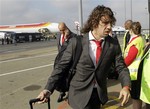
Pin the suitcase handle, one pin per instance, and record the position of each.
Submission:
(36, 100)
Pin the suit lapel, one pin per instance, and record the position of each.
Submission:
(64, 46)
(58, 38)
(104, 51)
(86, 47)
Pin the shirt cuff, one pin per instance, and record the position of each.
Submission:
(127, 87)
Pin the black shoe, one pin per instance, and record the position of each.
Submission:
(60, 98)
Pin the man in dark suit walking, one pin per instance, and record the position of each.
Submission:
(88, 87)
(64, 35)
(63, 39)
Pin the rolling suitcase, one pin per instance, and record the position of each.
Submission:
(36, 100)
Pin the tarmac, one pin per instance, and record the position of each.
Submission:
(24, 70)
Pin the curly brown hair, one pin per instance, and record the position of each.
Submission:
(95, 17)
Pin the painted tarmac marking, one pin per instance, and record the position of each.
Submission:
(27, 58)
(65, 105)
(19, 71)
(115, 106)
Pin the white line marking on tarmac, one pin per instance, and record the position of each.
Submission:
(10, 73)
(27, 58)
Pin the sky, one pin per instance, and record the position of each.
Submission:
(37, 11)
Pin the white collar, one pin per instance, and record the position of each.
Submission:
(91, 37)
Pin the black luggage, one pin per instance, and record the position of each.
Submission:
(36, 100)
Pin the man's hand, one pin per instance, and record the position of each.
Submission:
(43, 96)
(124, 95)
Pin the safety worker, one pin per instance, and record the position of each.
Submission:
(132, 56)
(127, 36)
(143, 76)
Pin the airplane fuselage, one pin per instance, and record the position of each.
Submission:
(30, 28)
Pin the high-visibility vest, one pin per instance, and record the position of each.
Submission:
(133, 67)
(145, 81)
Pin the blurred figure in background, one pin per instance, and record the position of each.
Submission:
(64, 35)
(132, 56)
(62, 42)
(127, 36)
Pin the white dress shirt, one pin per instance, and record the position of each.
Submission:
(92, 47)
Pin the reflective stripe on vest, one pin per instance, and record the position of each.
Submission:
(133, 68)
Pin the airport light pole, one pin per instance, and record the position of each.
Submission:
(131, 9)
(125, 9)
(80, 15)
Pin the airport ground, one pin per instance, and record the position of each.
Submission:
(24, 70)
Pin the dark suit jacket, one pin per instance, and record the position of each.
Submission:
(61, 48)
(58, 37)
(81, 86)
(60, 85)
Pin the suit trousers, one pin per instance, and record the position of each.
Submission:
(94, 102)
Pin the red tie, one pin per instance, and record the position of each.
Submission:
(99, 49)
(63, 39)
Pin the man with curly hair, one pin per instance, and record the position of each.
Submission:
(88, 87)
